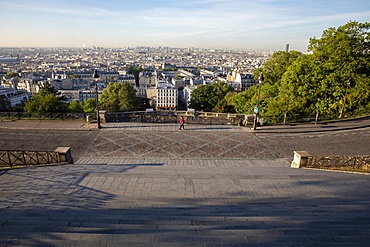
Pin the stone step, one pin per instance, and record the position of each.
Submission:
(189, 222)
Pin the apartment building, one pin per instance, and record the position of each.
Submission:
(187, 94)
(127, 78)
(15, 97)
(148, 78)
(240, 81)
(247, 80)
(71, 95)
(167, 96)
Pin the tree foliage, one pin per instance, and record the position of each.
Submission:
(318, 82)
(46, 100)
(119, 97)
(89, 105)
(5, 104)
(75, 107)
(135, 71)
(206, 97)
(44, 103)
(12, 74)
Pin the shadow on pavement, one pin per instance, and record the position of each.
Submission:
(51, 207)
(186, 221)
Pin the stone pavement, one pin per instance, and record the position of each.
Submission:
(43, 124)
(347, 124)
(181, 189)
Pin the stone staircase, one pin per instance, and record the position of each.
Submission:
(112, 201)
(50, 220)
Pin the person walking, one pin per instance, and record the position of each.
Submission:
(182, 122)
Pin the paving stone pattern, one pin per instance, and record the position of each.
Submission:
(227, 142)
(153, 188)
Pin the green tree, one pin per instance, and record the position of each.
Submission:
(273, 71)
(119, 97)
(316, 83)
(48, 89)
(298, 91)
(46, 100)
(224, 105)
(135, 71)
(4, 103)
(44, 103)
(89, 105)
(275, 67)
(243, 102)
(75, 106)
(342, 54)
(12, 75)
(206, 97)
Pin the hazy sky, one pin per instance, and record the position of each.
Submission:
(215, 24)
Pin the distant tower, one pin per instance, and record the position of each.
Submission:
(287, 48)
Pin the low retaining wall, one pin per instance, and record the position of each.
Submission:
(335, 162)
(206, 118)
(11, 159)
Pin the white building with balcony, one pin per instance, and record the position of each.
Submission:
(167, 96)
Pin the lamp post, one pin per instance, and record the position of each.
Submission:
(256, 110)
(344, 99)
(96, 79)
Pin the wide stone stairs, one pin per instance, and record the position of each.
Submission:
(216, 222)
(107, 201)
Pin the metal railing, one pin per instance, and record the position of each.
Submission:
(40, 116)
(168, 117)
(339, 162)
(359, 163)
(16, 158)
(206, 118)
(331, 162)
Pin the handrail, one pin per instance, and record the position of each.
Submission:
(332, 162)
(20, 158)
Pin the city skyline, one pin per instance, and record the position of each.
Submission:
(214, 24)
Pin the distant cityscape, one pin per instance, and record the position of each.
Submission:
(167, 77)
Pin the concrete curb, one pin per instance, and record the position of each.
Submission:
(49, 129)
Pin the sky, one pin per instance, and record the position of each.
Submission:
(264, 25)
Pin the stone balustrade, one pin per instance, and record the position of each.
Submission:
(14, 158)
(334, 162)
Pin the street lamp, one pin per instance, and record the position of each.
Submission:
(256, 110)
(345, 96)
(96, 79)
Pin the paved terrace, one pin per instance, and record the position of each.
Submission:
(152, 185)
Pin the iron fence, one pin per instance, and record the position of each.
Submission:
(339, 162)
(10, 159)
(40, 116)
(206, 118)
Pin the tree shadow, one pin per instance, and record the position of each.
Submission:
(42, 215)
(282, 222)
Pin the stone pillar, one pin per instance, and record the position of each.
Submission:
(65, 154)
(300, 159)
(102, 116)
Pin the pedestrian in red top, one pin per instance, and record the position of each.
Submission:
(182, 122)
